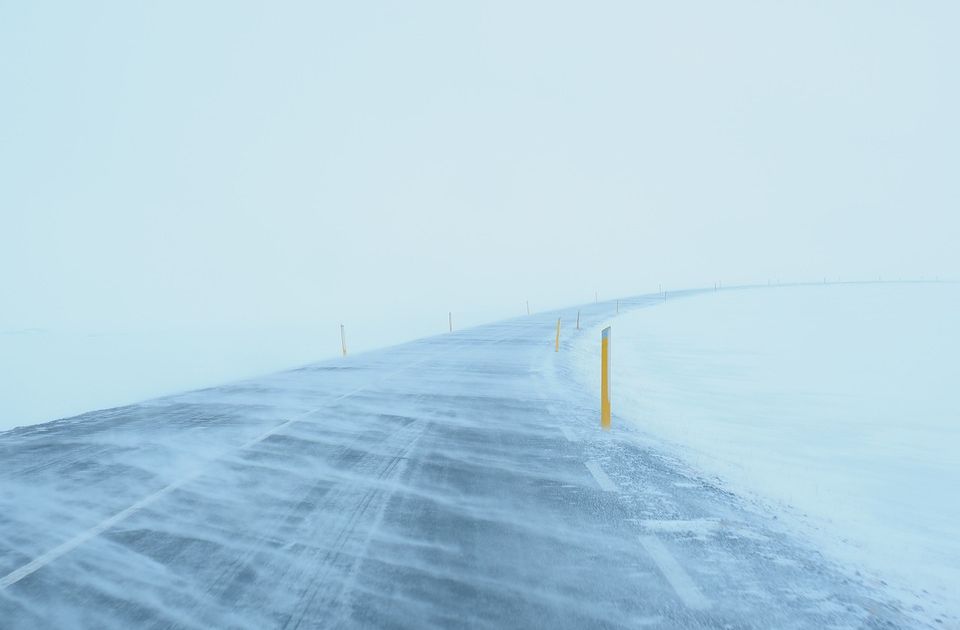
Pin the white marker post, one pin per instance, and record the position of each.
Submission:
(450, 317)
(343, 340)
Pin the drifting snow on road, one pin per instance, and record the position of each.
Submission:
(459, 480)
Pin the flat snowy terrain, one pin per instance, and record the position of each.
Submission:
(52, 373)
(835, 404)
(47, 374)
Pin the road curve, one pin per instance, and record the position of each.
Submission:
(454, 481)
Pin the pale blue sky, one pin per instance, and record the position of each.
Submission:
(268, 162)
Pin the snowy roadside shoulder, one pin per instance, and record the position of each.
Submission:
(830, 407)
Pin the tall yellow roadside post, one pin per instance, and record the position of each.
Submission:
(605, 379)
(557, 347)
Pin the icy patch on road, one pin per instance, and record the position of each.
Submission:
(836, 403)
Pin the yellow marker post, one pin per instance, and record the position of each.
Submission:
(343, 340)
(557, 347)
(605, 379)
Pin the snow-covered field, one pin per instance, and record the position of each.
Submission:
(52, 373)
(48, 374)
(837, 405)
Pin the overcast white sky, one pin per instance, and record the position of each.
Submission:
(208, 162)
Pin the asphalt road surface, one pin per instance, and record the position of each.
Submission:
(456, 481)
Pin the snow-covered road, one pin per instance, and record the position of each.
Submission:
(459, 480)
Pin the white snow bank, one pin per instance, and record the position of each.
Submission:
(838, 404)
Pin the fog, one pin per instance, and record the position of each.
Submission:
(194, 196)
(252, 165)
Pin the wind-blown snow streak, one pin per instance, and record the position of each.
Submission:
(21, 572)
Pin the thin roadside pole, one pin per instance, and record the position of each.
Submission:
(605, 379)
(343, 340)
